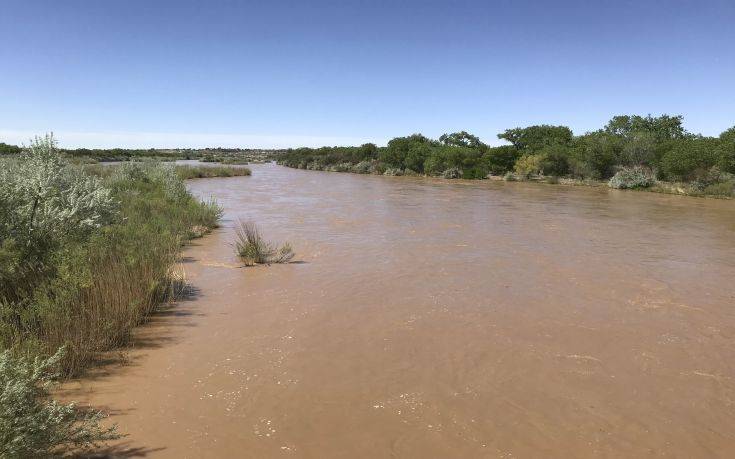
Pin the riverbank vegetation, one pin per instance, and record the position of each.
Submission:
(86, 253)
(83, 258)
(253, 249)
(233, 156)
(633, 151)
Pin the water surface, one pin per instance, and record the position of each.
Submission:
(431, 318)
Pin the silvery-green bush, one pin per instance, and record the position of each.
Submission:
(33, 425)
(43, 196)
(452, 173)
(393, 172)
(632, 177)
(363, 167)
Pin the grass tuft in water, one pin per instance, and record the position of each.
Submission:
(253, 249)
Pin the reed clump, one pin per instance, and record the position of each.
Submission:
(253, 249)
(192, 172)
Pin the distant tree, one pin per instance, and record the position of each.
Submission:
(501, 159)
(690, 158)
(461, 139)
(369, 151)
(398, 149)
(726, 151)
(534, 138)
(416, 156)
(6, 149)
(447, 157)
(663, 127)
(640, 149)
(555, 160)
(596, 155)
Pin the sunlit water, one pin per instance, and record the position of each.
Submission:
(430, 318)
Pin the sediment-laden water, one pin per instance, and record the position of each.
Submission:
(429, 318)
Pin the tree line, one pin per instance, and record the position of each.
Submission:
(658, 146)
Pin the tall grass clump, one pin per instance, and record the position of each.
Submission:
(253, 249)
(33, 425)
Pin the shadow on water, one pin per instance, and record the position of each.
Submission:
(268, 265)
(119, 451)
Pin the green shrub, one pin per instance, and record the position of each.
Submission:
(640, 149)
(720, 189)
(689, 158)
(478, 172)
(726, 151)
(33, 425)
(500, 160)
(632, 177)
(555, 160)
(253, 249)
(596, 156)
(528, 165)
(701, 179)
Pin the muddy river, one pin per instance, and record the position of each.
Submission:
(435, 319)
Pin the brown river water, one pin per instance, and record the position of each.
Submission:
(440, 319)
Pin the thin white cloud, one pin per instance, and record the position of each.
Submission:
(72, 139)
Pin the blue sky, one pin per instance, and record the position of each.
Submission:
(236, 73)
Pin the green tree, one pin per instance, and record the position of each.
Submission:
(596, 155)
(663, 127)
(6, 149)
(640, 149)
(500, 160)
(461, 139)
(398, 149)
(534, 138)
(368, 151)
(690, 158)
(726, 151)
(555, 160)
